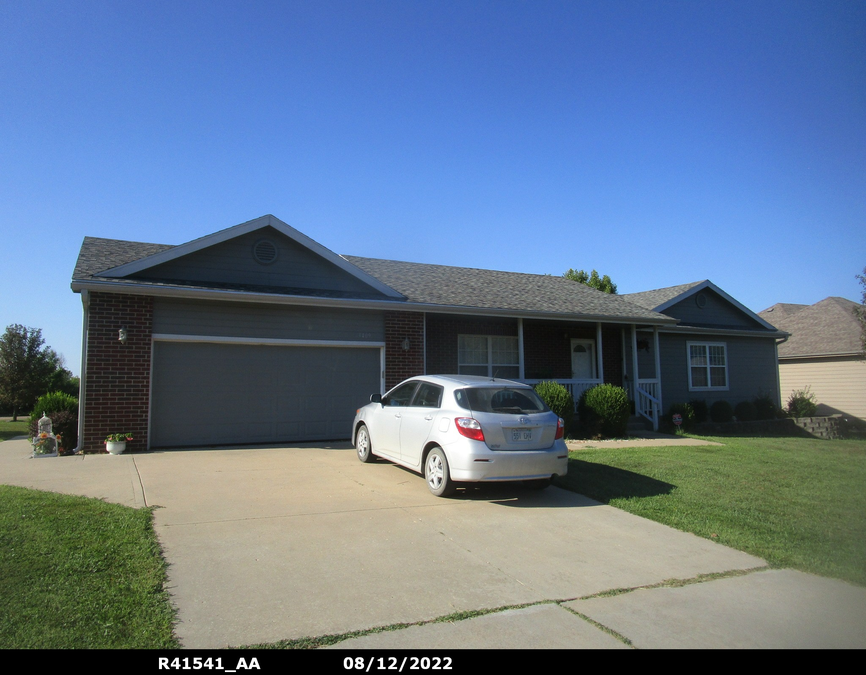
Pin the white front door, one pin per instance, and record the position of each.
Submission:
(583, 359)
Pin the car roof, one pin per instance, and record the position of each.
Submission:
(468, 381)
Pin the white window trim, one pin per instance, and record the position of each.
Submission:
(689, 366)
(490, 365)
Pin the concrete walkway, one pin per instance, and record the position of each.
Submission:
(266, 544)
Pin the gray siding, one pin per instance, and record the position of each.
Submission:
(230, 319)
(232, 262)
(717, 312)
(751, 369)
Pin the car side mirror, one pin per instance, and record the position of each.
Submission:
(375, 398)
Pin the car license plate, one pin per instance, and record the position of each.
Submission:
(521, 435)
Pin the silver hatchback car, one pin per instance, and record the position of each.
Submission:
(463, 428)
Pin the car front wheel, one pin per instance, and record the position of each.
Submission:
(364, 446)
(437, 475)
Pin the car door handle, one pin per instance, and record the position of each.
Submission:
(398, 415)
(428, 417)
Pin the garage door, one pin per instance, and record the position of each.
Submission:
(221, 394)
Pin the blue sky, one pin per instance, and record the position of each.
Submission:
(658, 142)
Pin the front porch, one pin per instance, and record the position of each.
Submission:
(578, 355)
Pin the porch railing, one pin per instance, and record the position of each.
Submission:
(575, 387)
(647, 400)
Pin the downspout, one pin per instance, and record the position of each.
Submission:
(85, 303)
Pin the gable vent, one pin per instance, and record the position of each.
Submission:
(265, 251)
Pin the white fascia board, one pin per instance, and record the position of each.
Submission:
(733, 332)
(107, 286)
(709, 284)
(242, 229)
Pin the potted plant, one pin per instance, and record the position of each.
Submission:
(116, 443)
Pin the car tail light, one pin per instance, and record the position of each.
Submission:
(470, 428)
(560, 428)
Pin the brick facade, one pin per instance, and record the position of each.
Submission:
(399, 363)
(442, 332)
(117, 376)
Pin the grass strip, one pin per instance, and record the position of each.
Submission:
(80, 573)
(795, 502)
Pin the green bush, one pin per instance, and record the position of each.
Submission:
(802, 403)
(559, 400)
(63, 410)
(721, 411)
(686, 411)
(604, 410)
(745, 411)
(702, 412)
(765, 407)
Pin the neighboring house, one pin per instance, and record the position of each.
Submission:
(258, 334)
(823, 353)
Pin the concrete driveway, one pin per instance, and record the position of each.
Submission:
(266, 544)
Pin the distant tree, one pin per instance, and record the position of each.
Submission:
(26, 367)
(593, 280)
(860, 312)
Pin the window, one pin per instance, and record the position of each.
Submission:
(488, 355)
(428, 396)
(708, 365)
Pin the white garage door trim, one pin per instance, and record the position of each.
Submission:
(338, 344)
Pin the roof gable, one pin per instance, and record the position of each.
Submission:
(233, 258)
(701, 304)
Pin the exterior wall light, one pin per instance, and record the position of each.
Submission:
(122, 335)
(406, 345)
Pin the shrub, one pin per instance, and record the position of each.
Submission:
(702, 412)
(765, 407)
(744, 411)
(686, 411)
(559, 400)
(63, 411)
(802, 403)
(721, 411)
(604, 410)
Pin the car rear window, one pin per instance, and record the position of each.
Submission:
(504, 400)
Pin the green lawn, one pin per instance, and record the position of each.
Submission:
(12, 429)
(79, 573)
(795, 502)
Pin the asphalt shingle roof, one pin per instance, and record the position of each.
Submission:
(827, 327)
(441, 285)
(491, 289)
(659, 296)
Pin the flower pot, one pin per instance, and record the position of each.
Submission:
(115, 447)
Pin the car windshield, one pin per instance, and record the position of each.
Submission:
(503, 400)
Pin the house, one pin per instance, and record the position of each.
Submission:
(258, 334)
(824, 353)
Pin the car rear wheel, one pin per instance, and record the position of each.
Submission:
(437, 474)
(364, 446)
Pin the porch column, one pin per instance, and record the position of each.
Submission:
(520, 370)
(634, 375)
(658, 365)
(598, 356)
